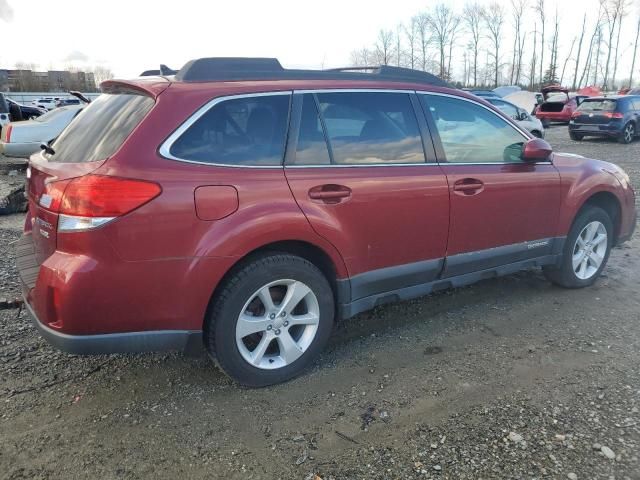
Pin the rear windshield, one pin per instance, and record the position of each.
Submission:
(597, 106)
(101, 128)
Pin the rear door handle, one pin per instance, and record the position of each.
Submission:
(468, 186)
(330, 193)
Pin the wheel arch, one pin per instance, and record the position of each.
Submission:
(307, 250)
(610, 204)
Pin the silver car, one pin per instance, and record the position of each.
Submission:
(522, 117)
(21, 139)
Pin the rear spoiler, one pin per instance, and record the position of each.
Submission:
(150, 86)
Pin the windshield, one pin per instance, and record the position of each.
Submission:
(101, 128)
(598, 106)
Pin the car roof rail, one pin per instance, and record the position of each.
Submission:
(239, 68)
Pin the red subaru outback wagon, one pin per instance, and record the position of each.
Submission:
(248, 207)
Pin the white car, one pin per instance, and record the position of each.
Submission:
(48, 103)
(522, 117)
(21, 139)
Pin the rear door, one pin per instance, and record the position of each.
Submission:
(502, 209)
(357, 168)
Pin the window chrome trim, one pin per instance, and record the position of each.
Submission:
(165, 147)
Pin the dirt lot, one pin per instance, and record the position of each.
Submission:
(509, 378)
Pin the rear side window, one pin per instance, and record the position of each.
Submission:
(101, 128)
(238, 131)
(371, 127)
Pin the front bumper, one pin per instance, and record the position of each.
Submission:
(130, 342)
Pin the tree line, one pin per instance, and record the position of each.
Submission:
(466, 46)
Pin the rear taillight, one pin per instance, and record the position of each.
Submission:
(8, 135)
(93, 200)
(576, 114)
(616, 115)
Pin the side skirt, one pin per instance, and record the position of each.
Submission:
(347, 310)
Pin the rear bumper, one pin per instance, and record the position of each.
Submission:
(553, 116)
(130, 342)
(626, 237)
(596, 130)
(18, 149)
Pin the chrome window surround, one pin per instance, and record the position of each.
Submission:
(165, 147)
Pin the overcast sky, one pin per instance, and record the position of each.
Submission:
(134, 35)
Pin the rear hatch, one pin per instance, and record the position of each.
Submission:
(595, 111)
(89, 140)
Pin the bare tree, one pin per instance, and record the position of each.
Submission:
(384, 47)
(534, 60)
(612, 10)
(517, 11)
(541, 10)
(566, 60)
(424, 35)
(494, 20)
(551, 75)
(411, 34)
(363, 57)
(472, 16)
(399, 45)
(444, 23)
(575, 72)
(623, 13)
(101, 73)
(635, 51)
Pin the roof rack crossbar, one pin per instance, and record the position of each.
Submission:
(245, 69)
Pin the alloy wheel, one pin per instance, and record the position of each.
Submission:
(589, 250)
(629, 133)
(277, 324)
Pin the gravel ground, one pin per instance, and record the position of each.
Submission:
(510, 378)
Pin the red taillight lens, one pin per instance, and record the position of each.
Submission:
(616, 115)
(103, 196)
(576, 114)
(8, 135)
(51, 199)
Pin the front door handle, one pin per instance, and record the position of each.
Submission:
(468, 186)
(330, 193)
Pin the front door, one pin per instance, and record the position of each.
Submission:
(358, 171)
(503, 210)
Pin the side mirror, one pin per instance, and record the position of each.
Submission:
(522, 116)
(536, 150)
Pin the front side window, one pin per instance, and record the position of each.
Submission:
(238, 131)
(371, 127)
(471, 133)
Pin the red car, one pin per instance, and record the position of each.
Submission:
(247, 207)
(559, 105)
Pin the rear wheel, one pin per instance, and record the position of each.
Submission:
(628, 133)
(575, 136)
(586, 250)
(270, 320)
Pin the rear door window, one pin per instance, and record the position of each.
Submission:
(371, 128)
(237, 131)
(312, 146)
(101, 128)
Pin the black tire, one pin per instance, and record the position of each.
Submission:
(564, 274)
(545, 123)
(628, 133)
(220, 324)
(575, 136)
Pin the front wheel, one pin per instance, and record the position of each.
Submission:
(586, 250)
(628, 133)
(270, 319)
